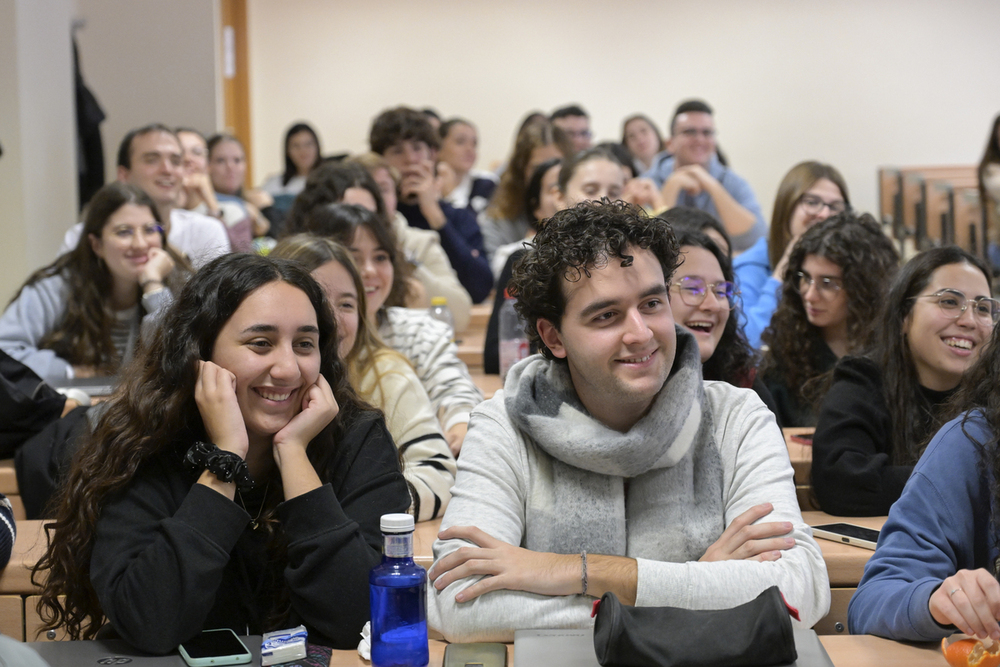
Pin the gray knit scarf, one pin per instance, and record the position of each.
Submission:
(652, 492)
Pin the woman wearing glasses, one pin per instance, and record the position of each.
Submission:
(834, 284)
(80, 315)
(809, 193)
(702, 298)
(880, 411)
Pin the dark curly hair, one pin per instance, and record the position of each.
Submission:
(401, 124)
(733, 361)
(572, 242)
(869, 262)
(891, 351)
(153, 413)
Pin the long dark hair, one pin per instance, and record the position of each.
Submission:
(153, 413)
(291, 171)
(340, 222)
(868, 261)
(733, 361)
(83, 337)
(900, 383)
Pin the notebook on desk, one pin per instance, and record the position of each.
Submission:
(114, 651)
(575, 648)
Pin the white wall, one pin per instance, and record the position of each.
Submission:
(151, 61)
(855, 83)
(38, 190)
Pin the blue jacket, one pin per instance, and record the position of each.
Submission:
(759, 290)
(940, 525)
(734, 184)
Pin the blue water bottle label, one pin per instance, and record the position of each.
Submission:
(398, 545)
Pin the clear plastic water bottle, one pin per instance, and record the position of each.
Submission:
(513, 340)
(439, 311)
(398, 597)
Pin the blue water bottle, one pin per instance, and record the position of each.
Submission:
(398, 596)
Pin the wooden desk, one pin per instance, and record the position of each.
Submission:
(488, 384)
(801, 455)
(479, 316)
(845, 564)
(470, 349)
(846, 651)
(29, 547)
(423, 542)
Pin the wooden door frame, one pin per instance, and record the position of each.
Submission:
(236, 84)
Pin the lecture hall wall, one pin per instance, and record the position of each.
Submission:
(855, 83)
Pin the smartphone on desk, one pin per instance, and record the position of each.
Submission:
(475, 655)
(848, 533)
(215, 647)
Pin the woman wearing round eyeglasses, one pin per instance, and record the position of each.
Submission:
(880, 411)
(702, 298)
(834, 285)
(80, 315)
(809, 193)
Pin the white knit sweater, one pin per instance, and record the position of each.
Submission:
(502, 470)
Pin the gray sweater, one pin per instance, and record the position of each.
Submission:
(504, 475)
(38, 310)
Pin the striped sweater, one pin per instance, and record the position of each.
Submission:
(428, 465)
(426, 343)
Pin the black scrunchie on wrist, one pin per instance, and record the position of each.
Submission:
(228, 467)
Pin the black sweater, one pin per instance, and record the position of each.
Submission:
(852, 470)
(172, 557)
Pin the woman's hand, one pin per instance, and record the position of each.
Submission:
(969, 600)
(215, 395)
(319, 408)
(159, 265)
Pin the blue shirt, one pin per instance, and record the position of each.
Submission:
(940, 525)
(759, 289)
(735, 185)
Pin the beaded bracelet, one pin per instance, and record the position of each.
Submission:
(227, 466)
(583, 558)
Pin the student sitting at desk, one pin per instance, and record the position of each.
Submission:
(880, 410)
(935, 569)
(834, 284)
(381, 375)
(607, 464)
(235, 480)
(80, 316)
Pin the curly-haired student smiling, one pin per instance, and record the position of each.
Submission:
(606, 463)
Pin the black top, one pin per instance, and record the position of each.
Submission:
(172, 557)
(852, 470)
(792, 408)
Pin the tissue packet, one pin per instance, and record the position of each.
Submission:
(283, 646)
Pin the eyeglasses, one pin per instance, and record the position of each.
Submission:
(692, 132)
(827, 286)
(578, 134)
(127, 233)
(694, 290)
(953, 303)
(814, 205)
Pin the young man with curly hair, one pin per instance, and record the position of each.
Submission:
(408, 142)
(607, 463)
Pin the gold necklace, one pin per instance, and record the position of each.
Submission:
(255, 522)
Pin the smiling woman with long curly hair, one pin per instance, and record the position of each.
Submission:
(833, 288)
